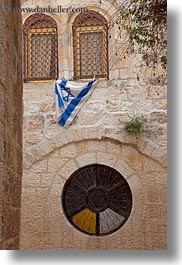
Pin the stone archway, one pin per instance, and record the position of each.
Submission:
(43, 222)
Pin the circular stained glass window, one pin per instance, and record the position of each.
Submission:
(97, 200)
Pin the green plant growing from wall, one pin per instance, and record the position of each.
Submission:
(135, 125)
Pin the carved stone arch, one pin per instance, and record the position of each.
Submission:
(91, 18)
(105, 13)
(55, 169)
(39, 20)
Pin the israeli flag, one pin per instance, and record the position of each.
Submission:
(70, 97)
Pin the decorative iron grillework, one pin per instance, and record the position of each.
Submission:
(90, 45)
(40, 48)
(97, 200)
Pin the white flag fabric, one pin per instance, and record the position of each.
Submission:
(70, 97)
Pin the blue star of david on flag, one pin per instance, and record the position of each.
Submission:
(70, 97)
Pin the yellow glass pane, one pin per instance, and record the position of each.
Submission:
(86, 221)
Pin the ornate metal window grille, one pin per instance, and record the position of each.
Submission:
(97, 200)
(90, 45)
(40, 48)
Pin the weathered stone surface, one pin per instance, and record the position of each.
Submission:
(45, 107)
(86, 159)
(55, 163)
(28, 160)
(96, 106)
(36, 122)
(113, 105)
(160, 104)
(124, 168)
(132, 157)
(151, 165)
(96, 146)
(33, 137)
(31, 180)
(40, 167)
(10, 126)
(113, 147)
(47, 179)
(57, 185)
(31, 108)
(156, 92)
(153, 231)
(160, 117)
(82, 147)
(68, 151)
(68, 168)
(106, 159)
(41, 149)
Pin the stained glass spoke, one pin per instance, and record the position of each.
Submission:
(86, 221)
(110, 220)
(84, 180)
(119, 208)
(74, 201)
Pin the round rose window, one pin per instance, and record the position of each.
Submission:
(97, 200)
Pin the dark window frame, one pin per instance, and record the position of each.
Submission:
(86, 23)
(40, 25)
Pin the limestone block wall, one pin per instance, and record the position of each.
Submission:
(44, 225)
(104, 114)
(10, 125)
(52, 153)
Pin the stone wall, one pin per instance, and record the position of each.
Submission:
(52, 153)
(10, 126)
(44, 225)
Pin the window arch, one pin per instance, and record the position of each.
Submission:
(40, 48)
(90, 45)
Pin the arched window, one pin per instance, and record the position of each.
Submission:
(90, 44)
(40, 48)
